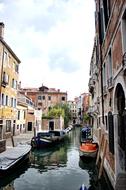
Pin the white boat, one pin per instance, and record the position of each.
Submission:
(13, 157)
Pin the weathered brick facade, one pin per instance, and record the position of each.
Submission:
(108, 85)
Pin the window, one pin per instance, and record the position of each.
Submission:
(5, 78)
(63, 98)
(24, 114)
(17, 68)
(49, 97)
(8, 125)
(106, 5)
(16, 85)
(12, 100)
(43, 97)
(12, 83)
(1, 126)
(6, 101)
(111, 132)
(106, 122)
(17, 126)
(5, 58)
(3, 99)
(124, 30)
(18, 115)
(15, 103)
(110, 64)
(39, 97)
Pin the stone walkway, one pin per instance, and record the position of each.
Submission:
(22, 138)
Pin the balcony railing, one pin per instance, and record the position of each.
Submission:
(91, 85)
(5, 80)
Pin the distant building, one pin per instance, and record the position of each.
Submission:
(25, 114)
(82, 104)
(52, 124)
(9, 73)
(73, 111)
(44, 97)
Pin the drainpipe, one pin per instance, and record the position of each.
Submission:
(102, 94)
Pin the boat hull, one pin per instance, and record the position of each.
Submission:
(88, 154)
(47, 141)
(88, 150)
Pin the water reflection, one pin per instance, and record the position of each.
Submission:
(56, 168)
(7, 183)
(50, 159)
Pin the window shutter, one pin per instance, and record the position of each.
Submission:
(111, 132)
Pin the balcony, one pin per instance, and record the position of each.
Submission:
(91, 85)
(5, 80)
(110, 83)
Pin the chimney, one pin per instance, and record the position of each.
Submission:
(1, 29)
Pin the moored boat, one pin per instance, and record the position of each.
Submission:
(88, 149)
(13, 157)
(47, 139)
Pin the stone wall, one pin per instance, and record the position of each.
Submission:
(2, 145)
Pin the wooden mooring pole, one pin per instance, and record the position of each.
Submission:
(104, 143)
(12, 140)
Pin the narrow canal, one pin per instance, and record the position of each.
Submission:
(59, 168)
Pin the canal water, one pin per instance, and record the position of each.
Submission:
(58, 168)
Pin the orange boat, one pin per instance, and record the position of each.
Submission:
(88, 149)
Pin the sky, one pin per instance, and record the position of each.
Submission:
(54, 41)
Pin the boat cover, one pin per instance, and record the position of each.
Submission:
(13, 154)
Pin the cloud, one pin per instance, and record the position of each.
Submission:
(60, 59)
(53, 39)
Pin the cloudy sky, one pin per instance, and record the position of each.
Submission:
(53, 39)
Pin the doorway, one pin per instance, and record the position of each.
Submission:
(29, 126)
(51, 125)
(120, 96)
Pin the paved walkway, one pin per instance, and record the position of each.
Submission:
(22, 138)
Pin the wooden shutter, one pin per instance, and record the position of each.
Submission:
(111, 132)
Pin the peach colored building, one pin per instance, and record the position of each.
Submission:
(9, 74)
(44, 97)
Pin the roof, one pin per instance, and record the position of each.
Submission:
(9, 49)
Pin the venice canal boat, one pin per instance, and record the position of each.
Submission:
(47, 139)
(13, 158)
(88, 148)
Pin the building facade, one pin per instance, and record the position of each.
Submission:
(108, 85)
(45, 98)
(26, 114)
(73, 111)
(9, 73)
